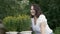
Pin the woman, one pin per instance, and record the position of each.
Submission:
(39, 21)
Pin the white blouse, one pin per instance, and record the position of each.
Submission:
(41, 19)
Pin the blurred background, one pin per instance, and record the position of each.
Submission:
(10, 10)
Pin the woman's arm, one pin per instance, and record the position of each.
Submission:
(42, 26)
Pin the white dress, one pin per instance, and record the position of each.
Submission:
(36, 27)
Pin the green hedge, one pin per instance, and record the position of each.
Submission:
(10, 23)
(24, 22)
(19, 23)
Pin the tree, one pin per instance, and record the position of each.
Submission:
(13, 7)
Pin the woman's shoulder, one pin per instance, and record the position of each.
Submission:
(42, 16)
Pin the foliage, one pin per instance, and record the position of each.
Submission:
(24, 22)
(57, 31)
(10, 23)
(17, 23)
(13, 7)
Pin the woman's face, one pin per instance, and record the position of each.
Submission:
(32, 11)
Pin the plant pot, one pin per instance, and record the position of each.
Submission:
(11, 32)
(25, 32)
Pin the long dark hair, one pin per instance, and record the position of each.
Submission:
(37, 10)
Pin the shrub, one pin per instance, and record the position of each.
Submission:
(17, 23)
(57, 30)
(10, 23)
(24, 22)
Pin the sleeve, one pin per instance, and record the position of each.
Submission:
(42, 18)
